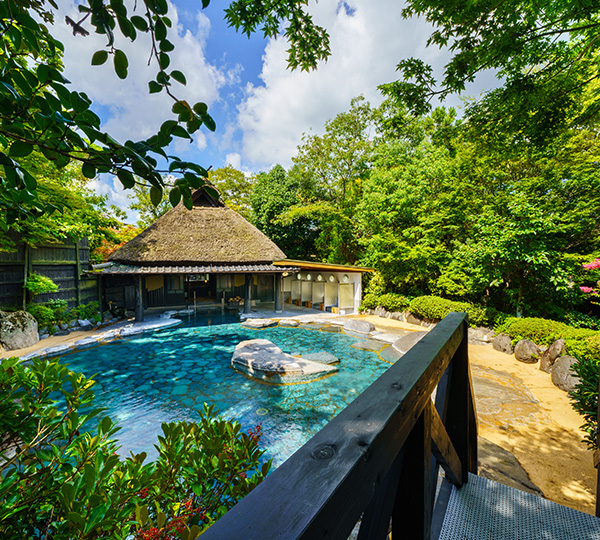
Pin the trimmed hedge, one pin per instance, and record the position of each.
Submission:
(389, 302)
(435, 307)
(543, 331)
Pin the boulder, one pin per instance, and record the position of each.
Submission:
(18, 330)
(356, 326)
(322, 357)
(405, 343)
(563, 375)
(259, 323)
(551, 354)
(261, 359)
(479, 335)
(83, 322)
(527, 351)
(502, 343)
(288, 322)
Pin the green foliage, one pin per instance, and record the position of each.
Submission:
(38, 284)
(585, 396)
(235, 187)
(393, 302)
(39, 110)
(581, 320)
(434, 307)
(149, 210)
(542, 331)
(369, 301)
(89, 311)
(43, 314)
(60, 480)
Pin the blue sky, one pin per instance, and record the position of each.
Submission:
(261, 108)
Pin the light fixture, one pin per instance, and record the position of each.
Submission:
(285, 274)
(319, 277)
(331, 278)
(299, 276)
(308, 277)
(345, 279)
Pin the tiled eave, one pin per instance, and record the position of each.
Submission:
(123, 269)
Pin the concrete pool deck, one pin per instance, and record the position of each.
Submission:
(519, 410)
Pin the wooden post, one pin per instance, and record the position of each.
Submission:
(247, 292)
(78, 273)
(278, 293)
(25, 274)
(597, 455)
(139, 303)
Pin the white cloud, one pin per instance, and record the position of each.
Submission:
(366, 46)
(110, 185)
(234, 159)
(133, 113)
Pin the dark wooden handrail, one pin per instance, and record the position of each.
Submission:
(378, 459)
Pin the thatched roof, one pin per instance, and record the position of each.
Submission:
(209, 233)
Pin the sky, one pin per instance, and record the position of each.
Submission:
(261, 108)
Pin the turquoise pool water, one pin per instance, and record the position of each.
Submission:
(161, 376)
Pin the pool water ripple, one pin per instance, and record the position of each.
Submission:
(163, 376)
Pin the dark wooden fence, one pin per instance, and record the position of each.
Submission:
(378, 460)
(62, 262)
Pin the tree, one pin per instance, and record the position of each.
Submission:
(546, 53)
(275, 193)
(330, 170)
(149, 212)
(39, 111)
(235, 187)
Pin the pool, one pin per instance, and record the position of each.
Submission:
(164, 375)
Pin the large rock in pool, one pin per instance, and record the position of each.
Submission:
(355, 326)
(262, 359)
(18, 330)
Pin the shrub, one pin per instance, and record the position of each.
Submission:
(38, 284)
(369, 301)
(59, 308)
(434, 307)
(542, 331)
(393, 302)
(43, 314)
(59, 481)
(581, 320)
(585, 396)
(89, 311)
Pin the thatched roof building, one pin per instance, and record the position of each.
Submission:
(211, 254)
(208, 234)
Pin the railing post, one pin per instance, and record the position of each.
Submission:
(460, 421)
(597, 454)
(413, 504)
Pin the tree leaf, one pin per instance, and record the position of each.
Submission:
(99, 58)
(20, 149)
(174, 196)
(209, 122)
(154, 87)
(126, 178)
(140, 23)
(178, 76)
(121, 64)
(155, 195)
(88, 170)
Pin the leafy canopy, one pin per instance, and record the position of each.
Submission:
(40, 110)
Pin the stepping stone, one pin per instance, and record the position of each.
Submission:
(258, 323)
(331, 329)
(322, 357)
(261, 359)
(288, 322)
(390, 355)
(367, 345)
(358, 328)
(311, 326)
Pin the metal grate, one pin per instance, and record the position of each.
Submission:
(485, 510)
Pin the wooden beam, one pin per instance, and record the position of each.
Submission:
(444, 451)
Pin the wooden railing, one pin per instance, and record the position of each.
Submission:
(378, 460)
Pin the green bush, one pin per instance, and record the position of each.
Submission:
(38, 284)
(60, 309)
(369, 301)
(89, 311)
(59, 481)
(434, 307)
(585, 396)
(42, 313)
(393, 302)
(581, 320)
(542, 331)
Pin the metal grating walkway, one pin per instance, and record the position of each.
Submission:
(485, 510)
